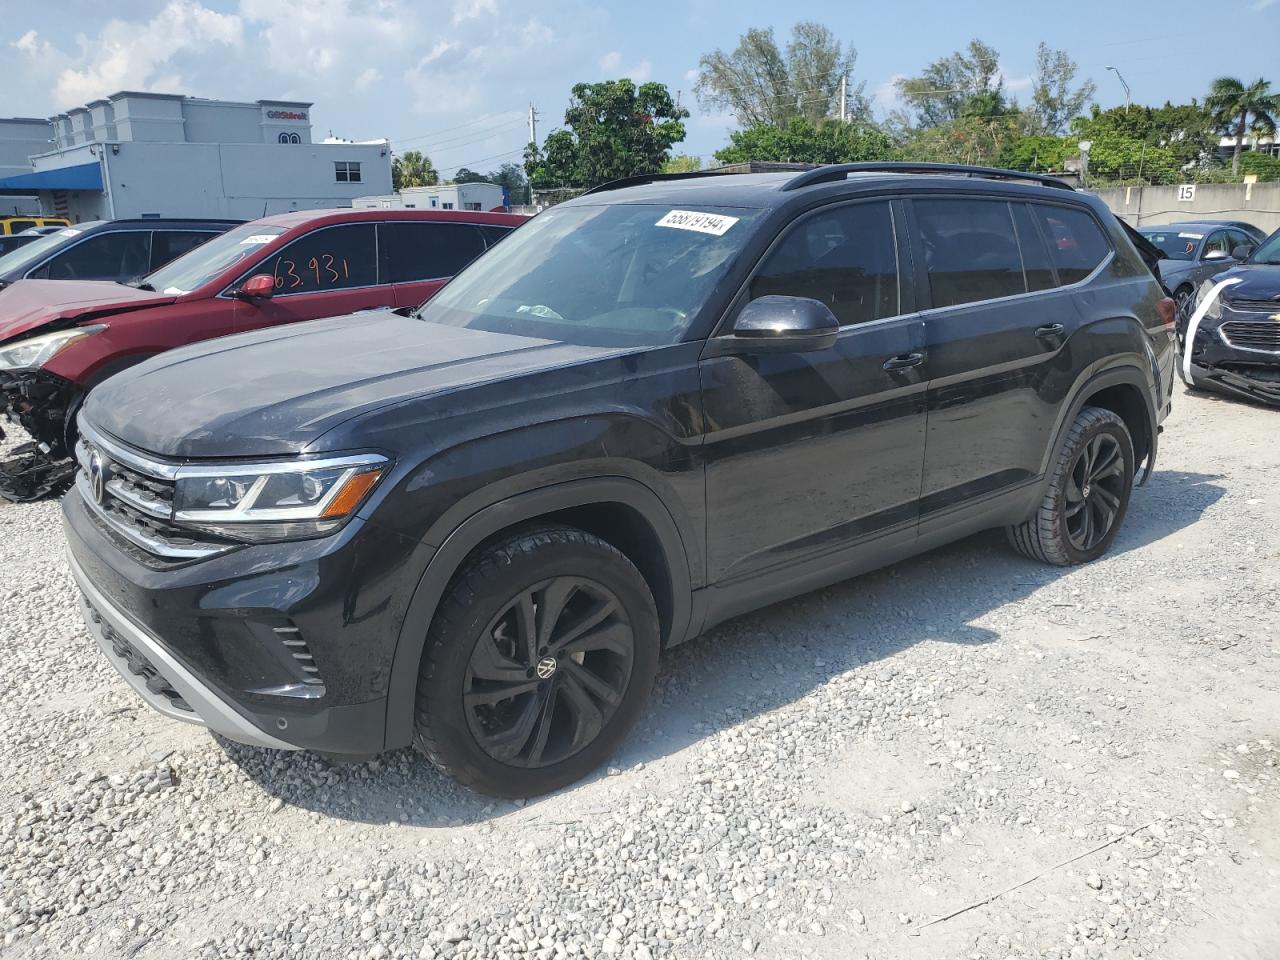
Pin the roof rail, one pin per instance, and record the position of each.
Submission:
(651, 178)
(838, 171)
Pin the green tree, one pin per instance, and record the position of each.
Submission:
(464, 175)
(802, 141)
(967, 83)
(1035, 154)
(759, 84)
(1232, 104)
(614, 130)
(1176, 136)
(1053, 99)
(968, 139)
(682, 163)
(413, 169)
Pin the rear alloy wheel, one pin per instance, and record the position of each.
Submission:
(538, 662)
(1088, 494)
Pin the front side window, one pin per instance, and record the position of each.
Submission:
(846, 257)
(331, 258)
(1219, 243)
(598, 275)
(346, 172)
(1076, 242)
(106, 256)
(426, 251)
(970, 250)
(209, 260)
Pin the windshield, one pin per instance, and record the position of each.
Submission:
(195, 269)
(1268, 252)
(613, 275)
(1175, 244)
(17, 262)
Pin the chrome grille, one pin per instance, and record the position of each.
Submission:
(1265, 306)
(1260, 335)
(135, 499)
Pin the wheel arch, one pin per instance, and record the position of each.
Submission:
(619, 510)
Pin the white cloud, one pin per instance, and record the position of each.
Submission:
(691, 76)
(471, 9)
(327, 37)
(367, 78)
(886, 97)
(28, 42)
(611, 64)
(611, 61)
(1261, 5)
(138, 55)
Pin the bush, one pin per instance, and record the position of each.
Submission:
(1262, 165)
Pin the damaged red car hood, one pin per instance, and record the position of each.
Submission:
(31, 304)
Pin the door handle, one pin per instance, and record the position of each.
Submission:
(1049, 331)
(904, 361)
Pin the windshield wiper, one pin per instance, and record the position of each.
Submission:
(137, 285)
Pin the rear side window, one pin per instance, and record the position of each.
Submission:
(1076, 242)
(426, 251)
(970, 250)
(846, 257)
(168, 245)
(493, 234)
(17, 226)
(331, 258)
(105, 256)
(1036, 264)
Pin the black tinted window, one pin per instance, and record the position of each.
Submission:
(107, 256)
(970, 250)
(331, 258)
(17, 226)
(493, 234)
(426, 251)
(845, 257)
(1036, 264)
(168, 245)
(1075, 241)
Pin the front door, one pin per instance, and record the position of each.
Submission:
(809, 452)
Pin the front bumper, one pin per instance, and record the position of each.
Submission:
(1220, 361)
(221, 642)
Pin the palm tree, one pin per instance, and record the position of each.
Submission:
(413, 169)
(1232, 103)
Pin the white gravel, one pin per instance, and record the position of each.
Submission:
(821, 779)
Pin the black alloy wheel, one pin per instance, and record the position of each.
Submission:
(1094, 492)
(548, 672)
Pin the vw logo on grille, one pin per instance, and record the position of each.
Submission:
(546, 667)
(97, 476)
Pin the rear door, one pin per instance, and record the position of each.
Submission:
(418, 257)
(327, 272)
(996, 326)
(808, 453)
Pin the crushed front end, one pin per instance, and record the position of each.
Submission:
(1237, 344)
(43, 405)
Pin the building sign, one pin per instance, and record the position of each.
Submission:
(1187, 192)
(286, 115)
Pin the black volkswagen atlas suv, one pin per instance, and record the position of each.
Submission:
(474, 527)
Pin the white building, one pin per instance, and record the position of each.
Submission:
(21, 138)
(453, 196)
(163, 155)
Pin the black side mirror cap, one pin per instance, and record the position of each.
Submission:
(778, 325)
(1241, 251)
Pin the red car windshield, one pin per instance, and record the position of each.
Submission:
(195, 269)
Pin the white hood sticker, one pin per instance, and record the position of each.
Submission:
(712, 223)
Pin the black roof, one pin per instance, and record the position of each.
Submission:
(150, 223)
(775, 189)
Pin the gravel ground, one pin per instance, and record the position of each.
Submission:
(1087, 759)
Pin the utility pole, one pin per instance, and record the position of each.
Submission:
(1123, 84)
(844, 98)
(533, 125)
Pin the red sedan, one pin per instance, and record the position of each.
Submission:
(58, 339)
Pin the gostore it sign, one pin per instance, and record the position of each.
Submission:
(286, 115)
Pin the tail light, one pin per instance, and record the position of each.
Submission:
(1168, 311)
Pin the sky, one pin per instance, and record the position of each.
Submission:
(455, 78)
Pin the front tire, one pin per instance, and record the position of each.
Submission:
(537, 664)
(1088, 495)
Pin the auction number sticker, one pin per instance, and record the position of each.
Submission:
(70, 232)
(712, 223)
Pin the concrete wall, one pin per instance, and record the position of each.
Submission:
(1257, 203)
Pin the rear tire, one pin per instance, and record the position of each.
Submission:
(1088, 496)
(537, 664)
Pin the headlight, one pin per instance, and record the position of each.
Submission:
(35, 352)
(1215, 307)
(275, 501)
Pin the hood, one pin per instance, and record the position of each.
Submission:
(28, 305)
(274, 392)
(1257, 282)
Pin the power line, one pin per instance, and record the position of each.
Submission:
(434, 133)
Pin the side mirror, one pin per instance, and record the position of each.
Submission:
(779, 325)
(1242, 251)
(261, 286)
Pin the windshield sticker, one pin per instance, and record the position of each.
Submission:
(257, 238)
(1191, 236)
(70, 232)
(712, 223)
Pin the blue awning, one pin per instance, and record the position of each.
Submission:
(84, 176)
